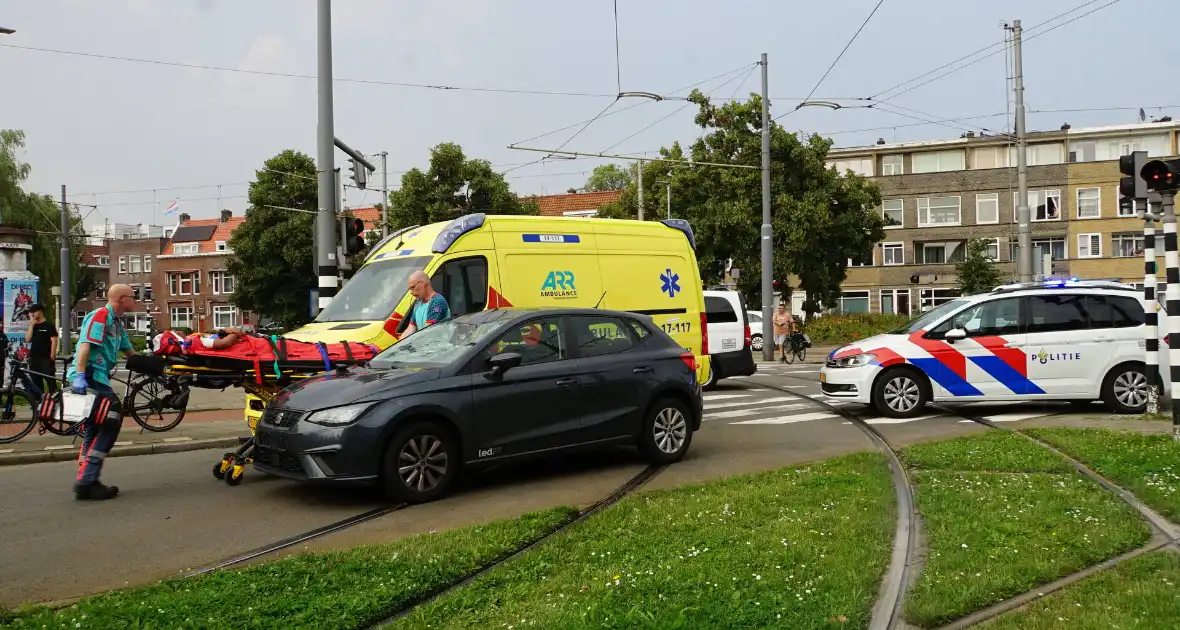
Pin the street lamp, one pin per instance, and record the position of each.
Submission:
(669, 188)
(6, 31)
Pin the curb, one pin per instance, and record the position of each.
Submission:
(155, 448)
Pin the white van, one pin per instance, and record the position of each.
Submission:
(729, 337)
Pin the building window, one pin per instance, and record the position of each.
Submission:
(860, 166)
(1127, 244)
(136, 264)
(185, 248)
(147, 264)
(1089, 245)
(225, 316)
(936, 211)
(931, 298)
(893, 212)
(1089, 203)
(104, 261)
(1043, 205)
(1055, 247)
(100, 291)
(1084, 151)
(993, 249)
(987, 208)
(895, 301)
(223, 282)
(892, 254)
(168, 232)
(938, 161)
(221, 246)
(122, 264)
(184, 283)
(892, 165)
(863, 260)
(1130, 212)
(989, 157)
(939, 253)
(854, 302)
(1040, 154)
(147, 292)
(182, 317)
(136, 292)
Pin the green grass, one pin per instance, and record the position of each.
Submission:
(1139, 594)
(335, 590)
(793, 548)
(1148, 466)
(1016, 517)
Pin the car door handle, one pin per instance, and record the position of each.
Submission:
(567, 382)
(643, 370)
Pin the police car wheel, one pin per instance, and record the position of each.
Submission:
(900, 393)
(420, 462)
(1125, 389)
(666, 432)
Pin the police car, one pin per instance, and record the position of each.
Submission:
(1071, 340)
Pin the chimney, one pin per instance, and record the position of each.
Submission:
(225, 215)
(970, 134)
(1065, 127)
(184, 217)
(880, 140)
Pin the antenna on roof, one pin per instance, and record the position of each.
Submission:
(1142, 115)
(596, 304)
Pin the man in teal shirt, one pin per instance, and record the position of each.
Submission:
(429, 308)
(102, 338)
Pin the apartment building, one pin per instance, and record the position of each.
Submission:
(96, 258)
(194, 285)
(133, 262)
(938, 195)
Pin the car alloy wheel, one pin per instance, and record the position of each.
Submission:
(422, 463)
(1130, 389)
(756, 342)
(670, 429)
(901, 394)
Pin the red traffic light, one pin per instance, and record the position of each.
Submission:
(1161, 175)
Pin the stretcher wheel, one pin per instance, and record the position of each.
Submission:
(224, 466)
(234, 475)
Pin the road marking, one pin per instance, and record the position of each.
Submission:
(746, 403)
(902, 420)
(127, 443)
(725, 396)
(806, 417)
(59, 448)
(796, 386)
(753, 412)
(178, 439)
(1007, 417)
(5, 451)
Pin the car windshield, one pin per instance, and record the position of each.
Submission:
(373, 293)
(925, 319)
(438, 344)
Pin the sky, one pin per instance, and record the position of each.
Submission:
(103, 126)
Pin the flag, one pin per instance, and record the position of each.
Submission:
(172, 207)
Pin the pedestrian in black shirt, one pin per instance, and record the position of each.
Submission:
(42, 340)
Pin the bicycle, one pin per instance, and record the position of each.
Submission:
(16, 400)
(793, 348)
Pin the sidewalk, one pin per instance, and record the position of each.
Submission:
(815, 354)
(199, 430)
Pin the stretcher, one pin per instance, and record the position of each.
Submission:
(262, 367)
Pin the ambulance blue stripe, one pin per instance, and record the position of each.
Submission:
(946, 377)
(1006, 375)
(551, 238)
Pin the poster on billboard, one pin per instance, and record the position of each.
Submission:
(19, 295)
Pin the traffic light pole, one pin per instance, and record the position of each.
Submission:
(767, 244)
(1172, 292)
(1150, 310)
(1024, 257)
(326, 263)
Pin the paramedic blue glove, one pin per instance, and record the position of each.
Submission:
(79, 384)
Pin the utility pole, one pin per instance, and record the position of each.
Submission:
(65, 273)
(384, 194)
(1172, 295)
(640, 190)
(326, 263)
(767, 243)
(1024, 259)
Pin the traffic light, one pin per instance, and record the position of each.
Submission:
(1132, 185)
(354, 239)
(359, 175)
(1161, 175)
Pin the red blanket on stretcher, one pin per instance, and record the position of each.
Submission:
(251, 348)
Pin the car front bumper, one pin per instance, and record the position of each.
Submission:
(315, 454)
(854, 384)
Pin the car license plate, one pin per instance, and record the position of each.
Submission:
(728, 344)
(823, 378)
(277, 441)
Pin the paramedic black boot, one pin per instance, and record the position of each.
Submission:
(94, 491)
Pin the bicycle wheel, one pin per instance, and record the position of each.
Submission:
(801, 353)
(788, 352)
(18, 414)
(149, 405)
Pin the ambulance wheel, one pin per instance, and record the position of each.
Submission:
(1124, 389)
(420, 462)
(710, 379)
(223, 466)
(900, 392)
(234, 475)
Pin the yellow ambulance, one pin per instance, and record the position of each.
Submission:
(483, 261)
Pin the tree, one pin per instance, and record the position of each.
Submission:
(820, 218)
(451, 187)
(977, 272)
(272, 259)
(609, 177)
(41, 213)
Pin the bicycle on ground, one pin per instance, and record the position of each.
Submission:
(794, 347)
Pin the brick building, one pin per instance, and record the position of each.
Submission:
(574, 204)
(133, 262)
(192, 286)
(937, 195)
(97, 258)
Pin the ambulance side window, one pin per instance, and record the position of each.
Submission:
(464, 283)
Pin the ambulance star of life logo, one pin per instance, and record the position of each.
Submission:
(671, 283)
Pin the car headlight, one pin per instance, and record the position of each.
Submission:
(856, 360)
(339, 416)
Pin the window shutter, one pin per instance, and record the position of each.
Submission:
(1003, 249)
(1083, 245)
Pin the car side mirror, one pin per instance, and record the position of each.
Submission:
(503, 362)
(955, 334)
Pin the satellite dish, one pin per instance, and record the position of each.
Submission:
(1142, 115)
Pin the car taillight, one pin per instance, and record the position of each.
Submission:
(749, 336)
(704, 335)
(689, 360)
(1166, 339)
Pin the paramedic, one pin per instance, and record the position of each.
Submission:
(42, 339)
(430, 307)
(101, 340)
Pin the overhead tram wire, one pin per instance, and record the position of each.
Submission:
(938, 119)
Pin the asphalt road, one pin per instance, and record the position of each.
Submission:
(173, 516)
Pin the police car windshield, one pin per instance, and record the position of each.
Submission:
(929, 317)
(374, 291)
(438, 344)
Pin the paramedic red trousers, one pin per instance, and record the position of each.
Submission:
(100, 432)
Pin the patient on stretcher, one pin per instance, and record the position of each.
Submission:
(231, 348)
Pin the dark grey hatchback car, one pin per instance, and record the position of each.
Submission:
(481, 388)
